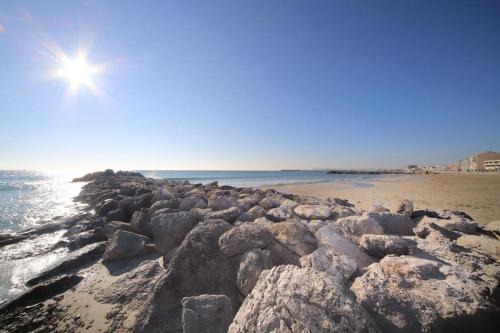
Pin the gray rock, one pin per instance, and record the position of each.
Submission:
(243, 238)
(253, 262)
(103, 208)
(382, 245)
(162, 194)
(405, 207)
(280, 213)
(206, 313)
(293, 299)
(340, 267)
(200, 213)
(123, 245)
(329, 239)
(141, 223)
(162, 204)
(394, 224)
(409, 294)
(252, 214)
(193, 201)
(314, 225)
(248, 202)
(219, 202)
(313, 212)
(292, 204)
(111, 227)
(353, 227)
(338, 212)
(269, 203)
(227, 215)
(198, 267)
(170, 229)
(294, 236)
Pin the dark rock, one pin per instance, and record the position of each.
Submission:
(198, 267)
(124, 244)
(170, 229)
(253, 262)
(111, 227)
(382, 245)
(141, 223)
(228, 215)
(108, 205)
(206, 313)
(243, 238)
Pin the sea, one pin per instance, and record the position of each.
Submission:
(29, 199)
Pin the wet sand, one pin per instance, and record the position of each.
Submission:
(476, 194)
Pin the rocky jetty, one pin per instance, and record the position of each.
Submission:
(167, 256)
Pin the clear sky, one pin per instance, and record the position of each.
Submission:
(248, 84)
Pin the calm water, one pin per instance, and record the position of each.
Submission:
(255, 178)
(28, 198)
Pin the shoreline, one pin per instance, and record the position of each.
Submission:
(477, 194)
(151, 247)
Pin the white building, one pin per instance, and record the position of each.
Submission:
(492, 165)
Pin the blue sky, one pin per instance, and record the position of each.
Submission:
(250, 84)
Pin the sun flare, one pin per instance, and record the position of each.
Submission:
(78, 72)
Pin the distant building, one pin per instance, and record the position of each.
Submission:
(452, 167)
(489, 156)
(492, 165)
(463, 165)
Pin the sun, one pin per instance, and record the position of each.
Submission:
(78, 72)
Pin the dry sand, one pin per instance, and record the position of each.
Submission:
(476, 194)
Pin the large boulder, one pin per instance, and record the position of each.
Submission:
(252, 214)
(253, 262)
(247, 202)
(141, 223)
(294, 236)
(162, 204)
(111, 227)
(353, 227)
(293, 299)
(331, 240)
(269, 203)
(206, 313)
(162, 194)
(131, 204)
(170, 229)
(220, 202)
(382, 245)
(409, 294)
(106, 206)
(227, 215)
(340, 267)
(280, 213)
(198, 267)
(313, 212)
(123, 245)
(193, 201)
(394, 224)
(243, 238)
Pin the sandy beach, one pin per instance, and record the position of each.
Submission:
(476, 194)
